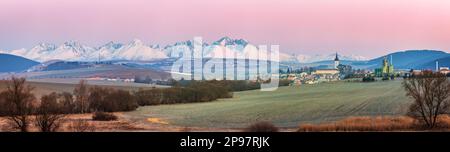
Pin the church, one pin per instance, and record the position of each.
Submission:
(329, 74)
(387, 68)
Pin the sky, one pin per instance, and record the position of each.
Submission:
(361, 27)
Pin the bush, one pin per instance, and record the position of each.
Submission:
(262, 127)
(148, 97)
(120, 100)
(187, 92)
(48, 115)
(368, 79)
(111, 100)
(284, 82)
(103, 116)
(81, 125)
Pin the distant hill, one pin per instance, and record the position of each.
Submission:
(411, 59)
(443, 62)
(12, 63)
(330, 63)
(61, 65)
(102, 71)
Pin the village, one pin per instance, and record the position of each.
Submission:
(337, 71)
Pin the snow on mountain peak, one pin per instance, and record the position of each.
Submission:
(155, 46)
(228, 41)
(111, 45)
(136, 42)
(74, 46)
(138, 51)
(42, 47)
(188, 43)
(46, 46)
(71, 43)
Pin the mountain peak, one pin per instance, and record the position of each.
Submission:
(112, 45)
(225, 38)
(229, 41)
(155, 46)
(72, 43)
(44, 46)
(136, 42)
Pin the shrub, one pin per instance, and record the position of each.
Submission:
(262, 127)
(119, 100)
(81, 125)
(186, 92)
(97, 98)
(103, 116)
(148, 97)
(368, 79)
(111, 100)
(48, 115)
(284, 82)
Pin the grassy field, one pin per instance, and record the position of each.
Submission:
(286, 107)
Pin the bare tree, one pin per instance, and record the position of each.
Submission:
(18, 102)
(431, 93)
(67, 103)
(81, 93)
(3, 107)
(49, 114)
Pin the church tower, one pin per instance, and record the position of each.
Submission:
(385, 68)
(336, 61)
(391, 66)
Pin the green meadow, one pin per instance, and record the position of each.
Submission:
(287, 106)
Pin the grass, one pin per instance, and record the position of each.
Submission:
(286, 107)
(379, 123)
(363, 123)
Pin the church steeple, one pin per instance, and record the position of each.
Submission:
(336, 61)
(336, 58)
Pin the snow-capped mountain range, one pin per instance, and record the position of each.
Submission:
(136, 50)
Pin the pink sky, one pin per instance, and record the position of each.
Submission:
(362, 27)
